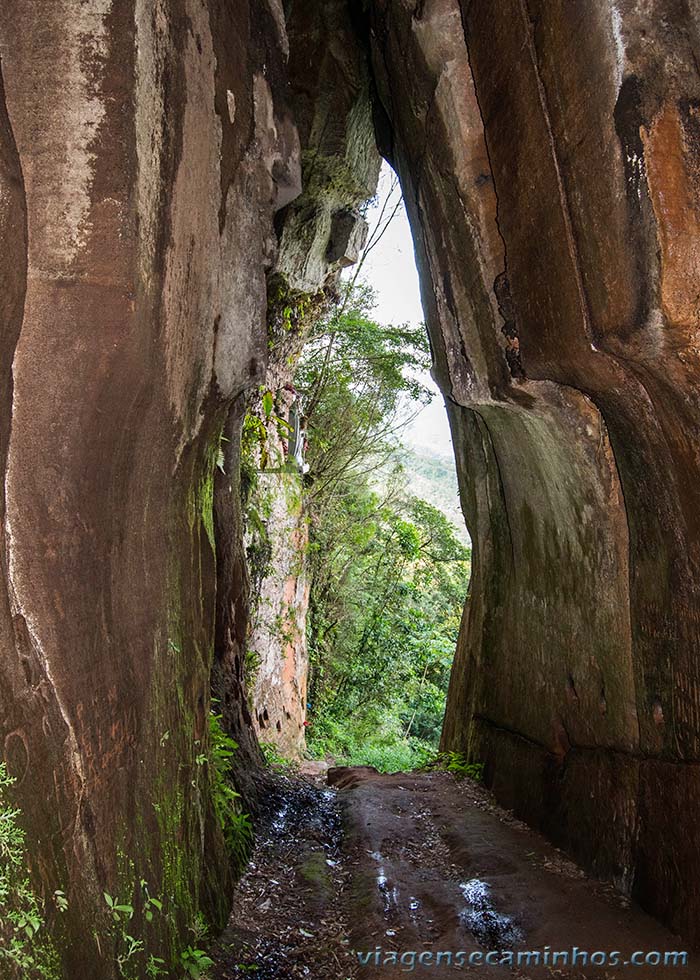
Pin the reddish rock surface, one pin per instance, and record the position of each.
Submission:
(144, 148)
(321, 234)
(277, 638)
(549, 158)
(150, 178)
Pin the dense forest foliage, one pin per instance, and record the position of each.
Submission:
(433, 478)
(388, 573)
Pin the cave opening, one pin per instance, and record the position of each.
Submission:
(388, 556)
(188, 387)
(533, 290)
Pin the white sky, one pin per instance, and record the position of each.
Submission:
(391, 269)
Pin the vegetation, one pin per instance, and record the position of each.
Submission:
(25, 949)
(433, 478)
(276, 761)
(195, 963)
(459, 766)
(389, 575)
(236, 825)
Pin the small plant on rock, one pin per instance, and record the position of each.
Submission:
(459, 766)
(195, 963)
(25, 951)
(236, 825)
(276, 761)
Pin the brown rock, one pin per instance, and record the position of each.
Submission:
(131, 320)
(548, 156)
(548, 153)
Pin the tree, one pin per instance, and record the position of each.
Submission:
(388, 574)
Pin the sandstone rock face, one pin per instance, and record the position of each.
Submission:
(277, 642)
(549, 158)
(330, 88)
(322, 233)
(144, 149)
(159, 160)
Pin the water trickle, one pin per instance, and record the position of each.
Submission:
(413, 909)
(490, 928)
(280, 819)
(389, 893)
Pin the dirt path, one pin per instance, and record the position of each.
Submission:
(290, 912)
(421, 864)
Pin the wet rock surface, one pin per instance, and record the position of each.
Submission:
(289, 917)
(547, 153)
(417, 862)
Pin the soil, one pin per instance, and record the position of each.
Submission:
(290, 912)
(418, 863)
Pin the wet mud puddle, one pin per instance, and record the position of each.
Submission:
(438, 868)
(288, 919)
(344, 878)
(489, 927)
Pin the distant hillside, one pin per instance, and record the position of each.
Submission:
(433, 478)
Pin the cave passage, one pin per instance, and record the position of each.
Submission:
(376, 622)
(187, 388)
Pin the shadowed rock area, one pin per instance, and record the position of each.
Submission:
(361, 880)
(550, 168)
(174, 177)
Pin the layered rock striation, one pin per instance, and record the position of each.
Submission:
(161, 165)
(548, 154)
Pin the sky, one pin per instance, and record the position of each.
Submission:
(391, 269)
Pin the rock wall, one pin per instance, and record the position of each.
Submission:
(321, 233)
(276, 647)
(144, 149)
(548, 154)
(151, 159)
(149, 154)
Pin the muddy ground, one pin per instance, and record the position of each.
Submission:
(419, 863)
